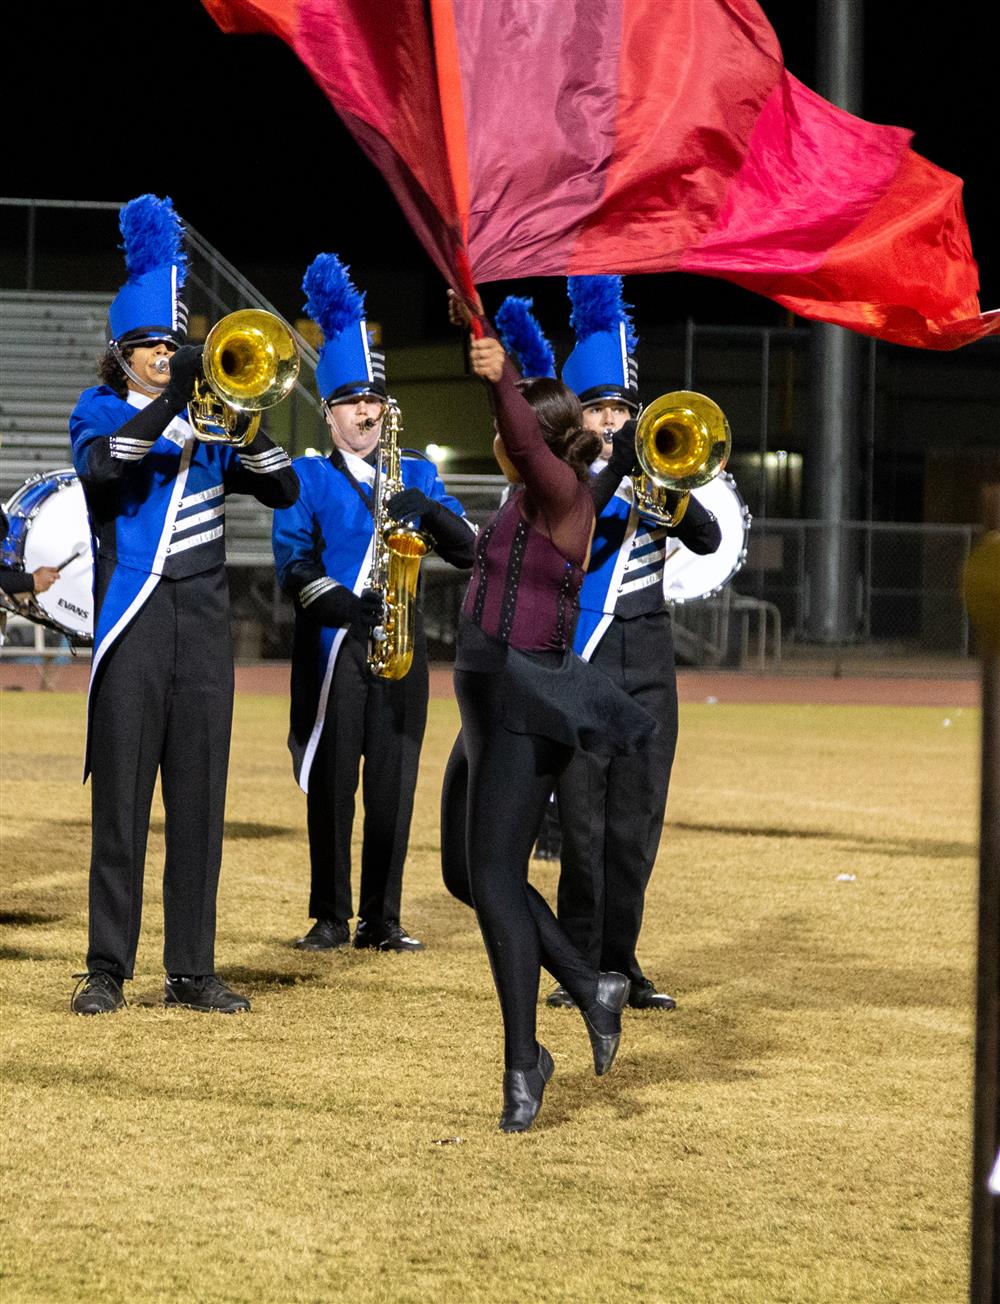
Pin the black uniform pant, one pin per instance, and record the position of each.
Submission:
(611, 809)
(382, 721)
(495, 788)
(163, 702)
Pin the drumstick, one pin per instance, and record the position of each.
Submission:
(81, 548)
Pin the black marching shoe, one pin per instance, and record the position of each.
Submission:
(384, 936)
(205, 992)
(326, 935)
(604, 1019)
(560, 999)
(644, 996)
(97, 993)
(522, 1093)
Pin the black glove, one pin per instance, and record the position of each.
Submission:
(672, 500)
(242, 425)
(370, 611)
(185, 369)
(623, 448)
(409, 503)
(339, 606)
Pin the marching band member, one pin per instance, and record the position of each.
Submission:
(341, 712)
(611, 808)
(17, 582)
(161, 690)
(526, 703)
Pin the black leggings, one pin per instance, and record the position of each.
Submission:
(496, 785)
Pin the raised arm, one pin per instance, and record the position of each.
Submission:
(263, 470)
(104, 447)
(549, 480)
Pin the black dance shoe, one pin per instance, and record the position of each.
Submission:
(560, 999)
(205, 992)
(388, 936)
(644, 996)
(326, 935)
(604, 1019)
(97, 993)
(522, 1093)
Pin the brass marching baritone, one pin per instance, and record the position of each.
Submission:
(682, 441)
(250, 362)
(398, 549)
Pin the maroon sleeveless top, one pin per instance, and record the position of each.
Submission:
(529, 557)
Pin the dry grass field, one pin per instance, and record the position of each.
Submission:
(796, 1133)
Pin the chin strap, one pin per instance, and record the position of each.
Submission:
(119, 357)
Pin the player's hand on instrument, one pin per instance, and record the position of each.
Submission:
(409, 503)
(370, 611)
(243, 420)
(676, 504)
(623, 448)
(185, 369)
(487, 358)
(44, 577)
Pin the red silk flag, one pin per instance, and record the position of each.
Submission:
(620, 136)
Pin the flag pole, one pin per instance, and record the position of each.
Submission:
(982, 597)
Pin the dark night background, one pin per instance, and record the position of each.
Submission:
(236, 132)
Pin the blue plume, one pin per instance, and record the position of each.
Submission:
(153, 235)
(522, 336)
(331, 298)
(598, 306)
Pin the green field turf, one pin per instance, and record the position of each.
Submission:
(798, 1131)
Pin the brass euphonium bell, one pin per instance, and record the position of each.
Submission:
(682, 440)
(250, 362)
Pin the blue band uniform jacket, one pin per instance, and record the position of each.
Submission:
(157, 507)
(326, 539)
(628, 558)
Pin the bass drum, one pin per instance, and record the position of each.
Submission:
(687, 575)
(49, 526)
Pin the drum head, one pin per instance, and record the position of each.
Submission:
(686, 574)
(50, 527)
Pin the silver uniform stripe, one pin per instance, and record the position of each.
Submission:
(130, 450)
(312, 591)
(646, 558)
(203, 497)
(265, 462)
(262, 455)
(643, 537)
(640, 573)
(263, 459)
(206, 536)
(187, 522)
(633, 586)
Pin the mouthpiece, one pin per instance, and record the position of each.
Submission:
(368, 423)
(608, 435)
(162, 365)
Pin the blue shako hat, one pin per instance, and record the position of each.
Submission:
(602, 364)
(348, 367)
(148, 306)
(523, 338)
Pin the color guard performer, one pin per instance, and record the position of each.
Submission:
(340, 711)
(161, 690)
(527, 703)
(611, 808)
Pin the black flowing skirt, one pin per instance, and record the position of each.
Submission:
(556, 695)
